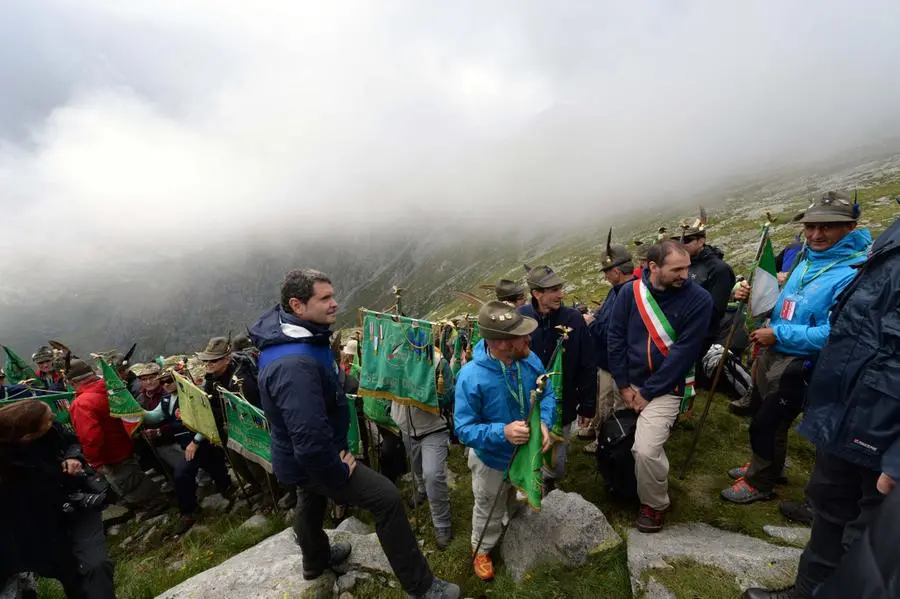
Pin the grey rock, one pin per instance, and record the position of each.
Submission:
(114, 530)
(127, 542)
(240, 504)
(355, 526)
(451, 478)
(256, 521)
(289, 517)
(116, 514)
(346, 596)
(795, 535)
(176, 565)
(346, 582)
(753, 562)
(657, 591)
(270, 570)
(566, 531)
(197, 529)
(366, 555)
(160, 520)
(214, 502)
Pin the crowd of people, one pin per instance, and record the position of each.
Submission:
(673, 315)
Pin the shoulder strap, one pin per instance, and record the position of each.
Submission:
(276, 352)
(661, 331)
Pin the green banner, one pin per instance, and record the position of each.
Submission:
(122, 404)
(18, 370)
(248, 429)
(353, 444)
(525, 470)
(379, 412)
(556, 379)
(59, 403)
(196, 413)
(398, 361)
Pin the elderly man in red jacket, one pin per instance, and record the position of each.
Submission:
(105, 443)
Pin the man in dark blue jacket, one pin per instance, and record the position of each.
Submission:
(853, 418)
(656, 330)
(308, 420)
(579, 394)
(618, 268)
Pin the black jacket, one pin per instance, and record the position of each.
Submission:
(579, 361)
(853, 408)
(240, 377)
(303, 400)
(871, 569)
(33, 488)
(599, 326)
(709, 270)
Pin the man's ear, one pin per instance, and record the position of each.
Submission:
(298, 307)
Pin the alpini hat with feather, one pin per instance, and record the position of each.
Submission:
(693, 227)
(615, 255)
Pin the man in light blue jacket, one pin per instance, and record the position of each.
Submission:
(798, 330)
(493, 397)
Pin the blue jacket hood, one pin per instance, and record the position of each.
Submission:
(817, 281)
(277, 327)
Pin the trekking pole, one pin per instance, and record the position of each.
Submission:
(739, 319)
(538, 390)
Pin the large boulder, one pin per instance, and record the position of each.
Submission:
(566, 531)
(752, 562)
(273, 569)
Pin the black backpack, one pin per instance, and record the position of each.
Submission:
(615, 437)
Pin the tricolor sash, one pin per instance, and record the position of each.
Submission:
(662, 334)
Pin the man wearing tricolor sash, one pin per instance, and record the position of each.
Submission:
(656, 332)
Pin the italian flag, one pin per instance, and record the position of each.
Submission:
(765, 282)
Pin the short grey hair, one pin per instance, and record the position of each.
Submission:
(299, 284)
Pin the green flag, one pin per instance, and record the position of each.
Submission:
(556, 379)
(196, 413)
(398, 361)
(248, 429)
(353, 430)
(122, 404)
(17, 369)
(379, 412)
(525, 470)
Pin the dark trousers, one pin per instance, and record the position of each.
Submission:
(212, 460)
(90, 574)
(391, 455)
(372, 492)
(781, 391)
(844, 501)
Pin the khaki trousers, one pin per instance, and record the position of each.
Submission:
(651, 465)
(486, 484)
(608, 398)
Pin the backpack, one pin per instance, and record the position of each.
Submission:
(615, 438)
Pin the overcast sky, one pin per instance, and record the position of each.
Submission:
(139, 126)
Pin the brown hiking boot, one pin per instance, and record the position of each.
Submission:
(649, 519)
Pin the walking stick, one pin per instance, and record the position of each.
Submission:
(538, 390)
(739, 318)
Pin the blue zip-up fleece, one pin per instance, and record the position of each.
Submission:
(484, 404)
(600, 324)
(688, 310)
(579, 362)
(853, 408)
(805, 334)
(303, 401)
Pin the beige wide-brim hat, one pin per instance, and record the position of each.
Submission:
(499, 321)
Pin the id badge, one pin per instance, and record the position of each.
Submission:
(788, 308)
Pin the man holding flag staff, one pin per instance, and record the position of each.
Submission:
(656, 332)
(796, 333)
(493, 403)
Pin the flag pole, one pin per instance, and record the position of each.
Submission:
(738, 319)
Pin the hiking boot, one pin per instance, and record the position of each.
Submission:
(797, 511)
(484, 566)
(339, 554)
(186, 523)
(442, 536)
(741, 472)
(416, 499)
(439, 589)
(649, 519)
(788, 593)
(744, 406)
(743, 492)
(590, 448)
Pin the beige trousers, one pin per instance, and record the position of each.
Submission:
(486, 483)
(608, 398)
(651, 465)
